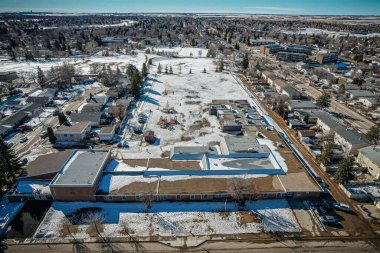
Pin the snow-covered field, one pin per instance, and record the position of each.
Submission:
(190, 95)
(330, 33)
(174, 219)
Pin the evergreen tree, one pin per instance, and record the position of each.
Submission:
(204, 70)
(326, 154)
(136, 79)
(51, 136)
(9, 163)
(341, 89)
(373, 134)
(344, 173)
(190, 71)
(245, 62)
(41, 80)
(248, 41)
(159, 68)
(62, 118)
(12, 54)
(324, 100)
(237, 47)
(144, 70)
(29, 56)
(171, 70)
(166, 69)
(150, 62)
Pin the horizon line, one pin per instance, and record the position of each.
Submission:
(187, 13)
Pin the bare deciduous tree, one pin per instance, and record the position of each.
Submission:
(240, 188)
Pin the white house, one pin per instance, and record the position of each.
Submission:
(75, 133)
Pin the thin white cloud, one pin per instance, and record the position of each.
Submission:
(272, 8)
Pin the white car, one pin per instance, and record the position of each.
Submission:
(341, 206)
(328, 219)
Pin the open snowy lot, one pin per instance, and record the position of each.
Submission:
(189, 95)
(167, 219)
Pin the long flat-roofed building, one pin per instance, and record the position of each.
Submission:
(79, 176)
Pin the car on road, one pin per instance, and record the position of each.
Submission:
(342, 207)
(23, 139)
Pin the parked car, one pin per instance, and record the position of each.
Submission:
(67, 123)
(328, 219)
(23, 139)
(23, 161)
(25, 128)
(9, 144)
(43, 134)
(342, 207)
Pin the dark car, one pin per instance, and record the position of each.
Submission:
(23, 161)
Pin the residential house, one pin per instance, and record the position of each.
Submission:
(350, 140)
(291, 92)
(8, 76)
(75, 133)
(14, 120)
(327, 122)
(32, 109)
(104, 133)
(369, 102)
(356, 94)
(301, 104)
(93, 117)
(99, 99)
(369, 157)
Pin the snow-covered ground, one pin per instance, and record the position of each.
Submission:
(182, 51)
(330, 33)
(33, 187)
(174, 219)
(119, 166)
(189, 95)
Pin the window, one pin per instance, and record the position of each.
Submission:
(178, 197)
(266, 195)
(192, 197)
(205, 196)
(137, 197)
(72, 193)
(124, 197)
(108, 197)
(164, 197)
(278, 195)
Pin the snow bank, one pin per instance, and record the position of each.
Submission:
(33, 187)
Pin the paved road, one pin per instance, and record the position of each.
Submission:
(356, 120)
(242, 246)
(353, 224)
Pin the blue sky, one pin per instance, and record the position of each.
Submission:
(299, 7)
